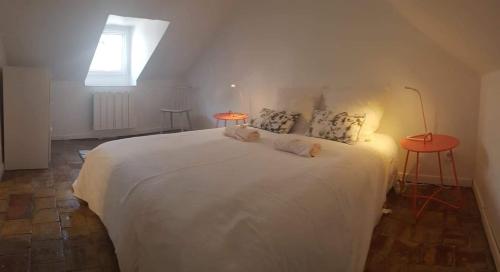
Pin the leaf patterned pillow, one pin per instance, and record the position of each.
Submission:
(340, 127)
(275, 121)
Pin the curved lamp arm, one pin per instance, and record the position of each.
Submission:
(427, 136)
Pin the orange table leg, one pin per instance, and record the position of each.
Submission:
(459, 191)
(415, 187)
(440, 168)
(403, 179)
(427, 200)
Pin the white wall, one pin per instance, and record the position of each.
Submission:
(488, 154)
(274, 46)
(467, 29)
(71, 108)
(146, 37)
(3, 62)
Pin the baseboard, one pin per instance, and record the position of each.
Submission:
(105, 134)
(2, 169)
(490, 235)
(433, 179)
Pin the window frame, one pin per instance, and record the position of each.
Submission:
(126, 33)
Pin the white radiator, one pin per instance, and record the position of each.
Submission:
(113, 110)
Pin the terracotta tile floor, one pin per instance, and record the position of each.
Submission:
(44, 228)
(441, 240)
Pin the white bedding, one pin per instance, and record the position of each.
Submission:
(199, 201)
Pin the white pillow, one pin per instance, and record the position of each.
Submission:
(341, 127)
(275, 121)
(358, 101)
(303, 103)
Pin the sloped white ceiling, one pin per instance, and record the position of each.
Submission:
(63, 34)
(468, 29)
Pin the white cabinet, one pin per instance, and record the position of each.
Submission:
(26, 118)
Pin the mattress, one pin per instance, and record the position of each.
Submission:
(199, 201)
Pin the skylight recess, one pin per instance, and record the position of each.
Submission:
(123, 50)
(111, 54)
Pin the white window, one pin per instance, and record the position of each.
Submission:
(111, 63)
(124, 48)
(110, 55)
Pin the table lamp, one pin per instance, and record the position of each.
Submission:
(427, 136)
(234, 88)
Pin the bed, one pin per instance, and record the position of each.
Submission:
(200, 201)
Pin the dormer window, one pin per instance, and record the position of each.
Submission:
(124, 48)
(112, 53)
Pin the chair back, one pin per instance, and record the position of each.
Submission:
(180, 98)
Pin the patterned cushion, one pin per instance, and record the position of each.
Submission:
(275, 121)
(340, 127)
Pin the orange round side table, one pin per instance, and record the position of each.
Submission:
(230, 116)
(439, 143)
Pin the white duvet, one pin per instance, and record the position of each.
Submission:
(199, 201)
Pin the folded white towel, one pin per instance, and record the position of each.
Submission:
(297, 146)
(231, 131)
(242, 133)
